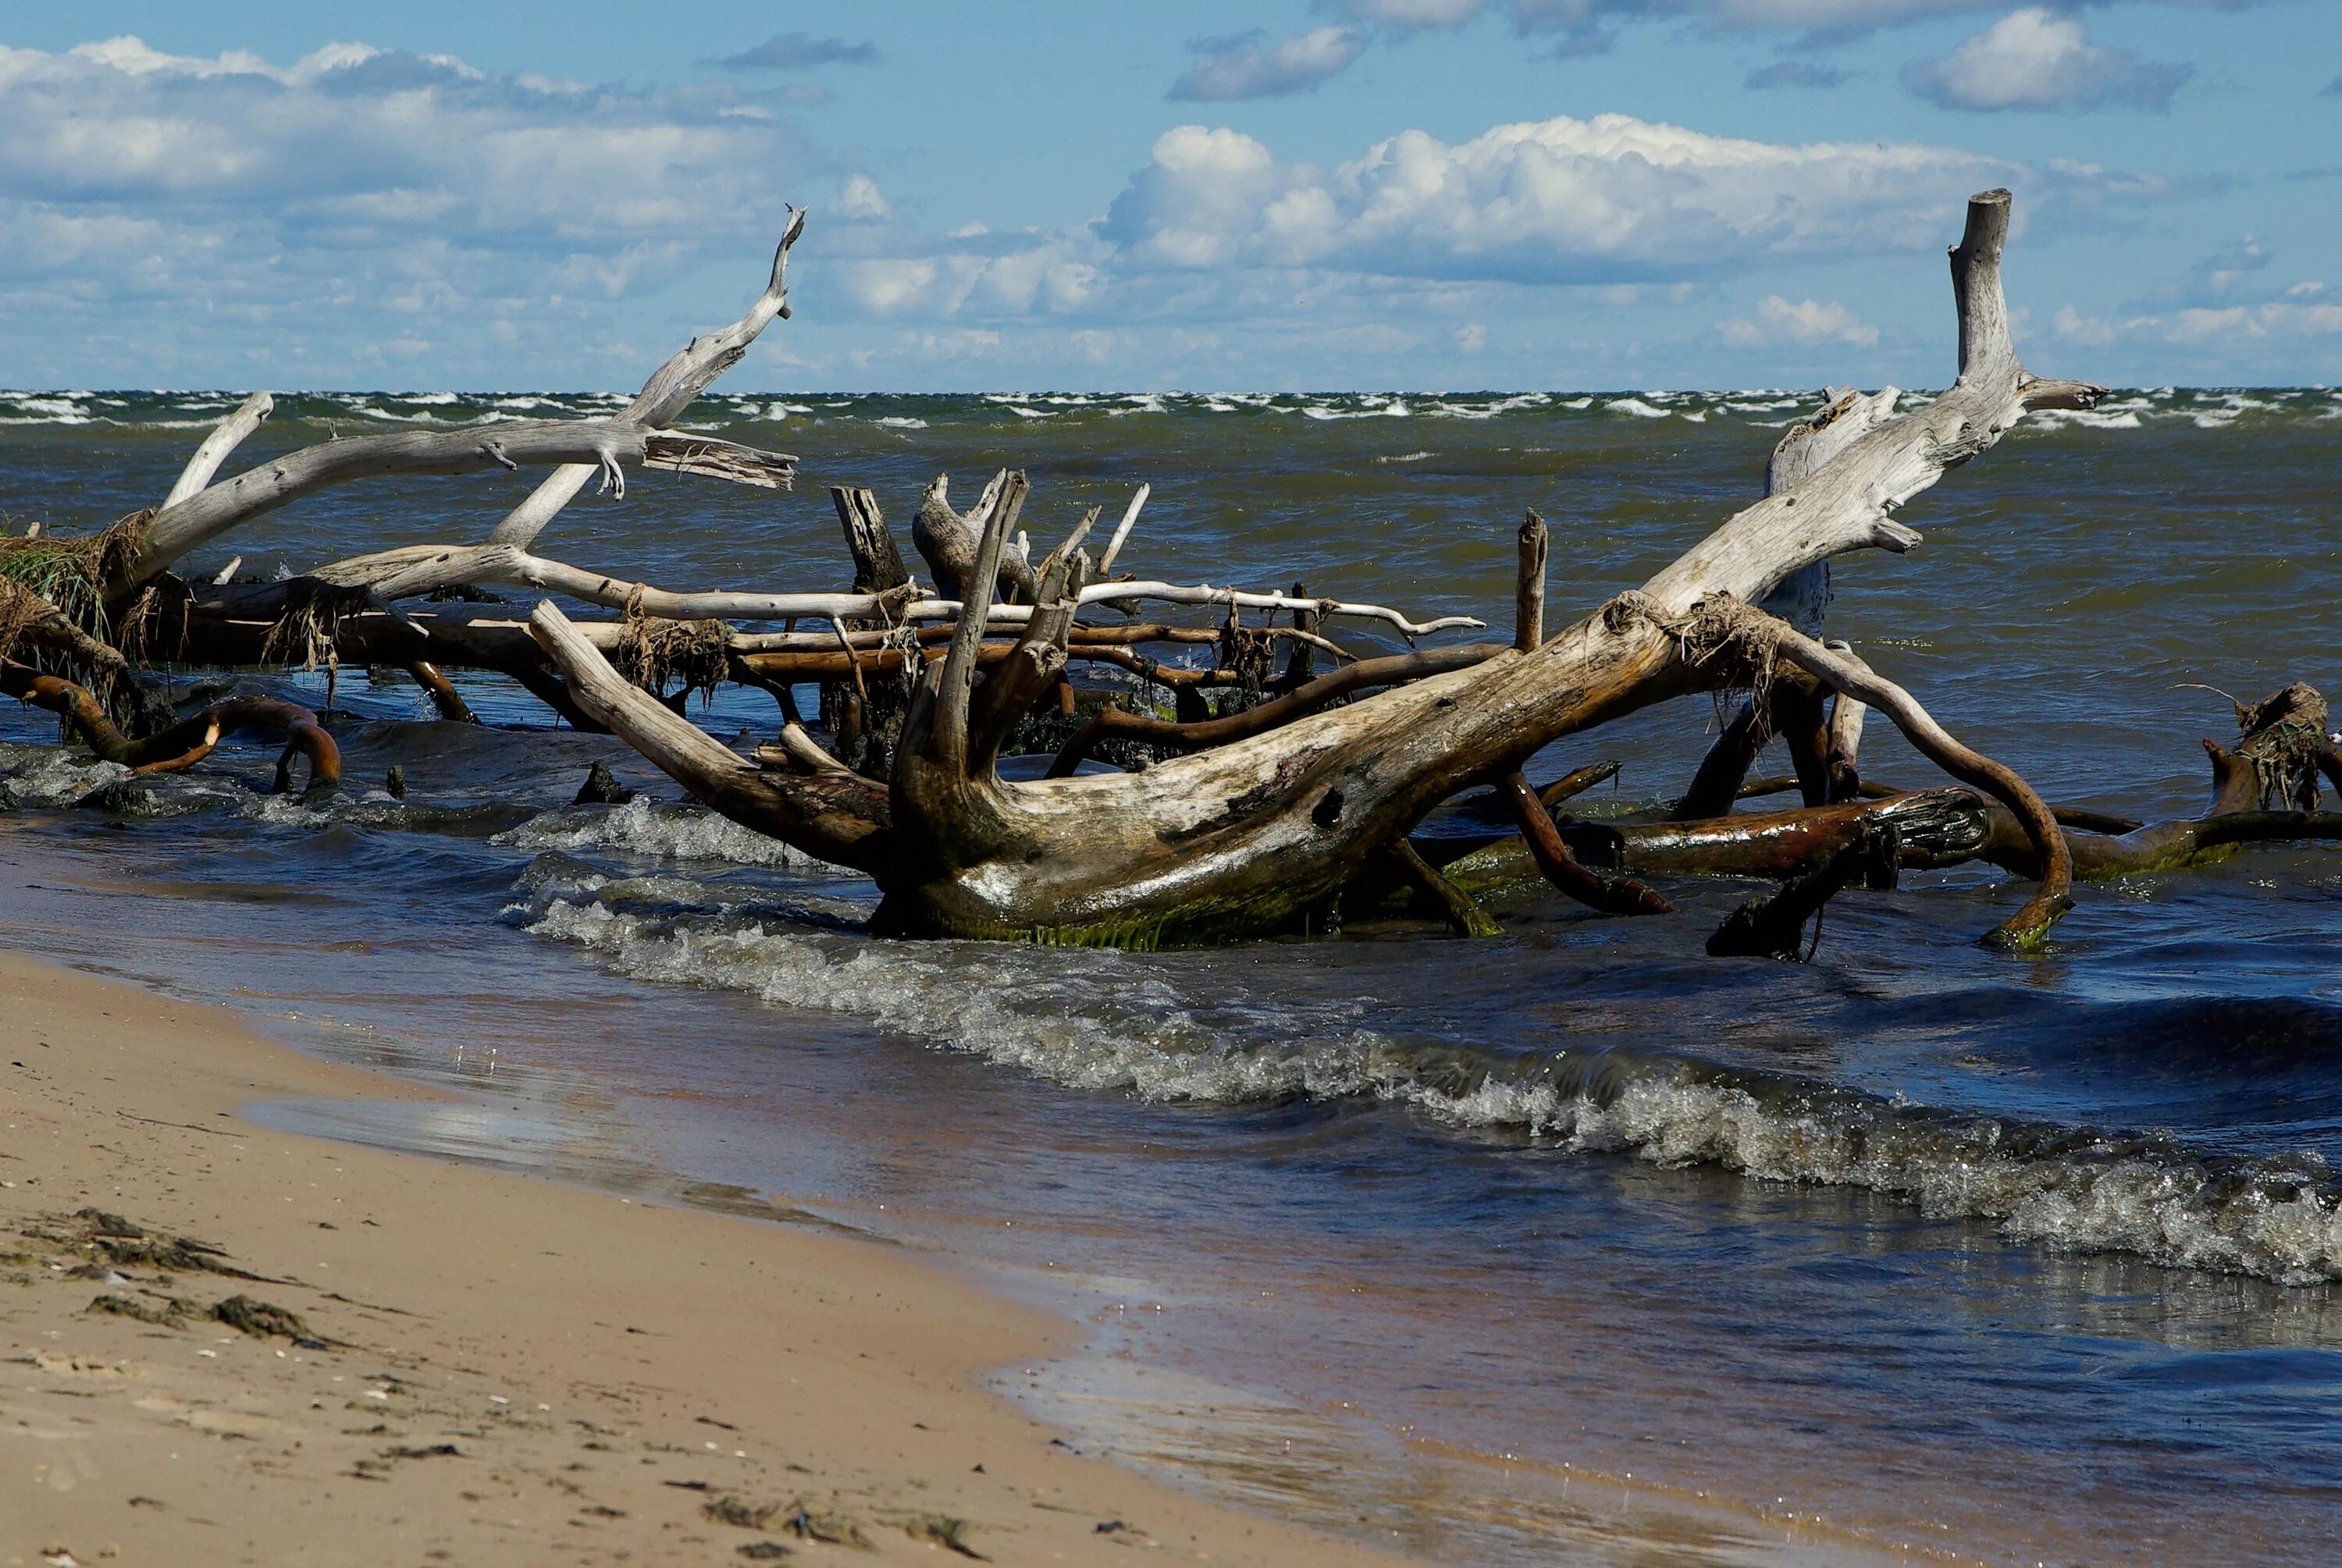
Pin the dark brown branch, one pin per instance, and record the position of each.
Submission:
(1610, 894)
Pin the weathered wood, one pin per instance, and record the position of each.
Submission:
(606, 445)
(224, 438)
(838, 817)
(1842, 760)
(190, 740)
(1257, 835)
(1529, 591)
(1610, 894)
(950, 542)
(1463, 915)
(1938, 828)
(445, 698)
(1114, 723)
(669, 391)
(877, 565)
(2030, 924)
(1122, 529)
(1773, 927)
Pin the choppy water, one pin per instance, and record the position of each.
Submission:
(2005, 1259)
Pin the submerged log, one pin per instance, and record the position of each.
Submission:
(191, 739)
(1773, 927)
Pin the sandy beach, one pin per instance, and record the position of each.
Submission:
(223, 1345)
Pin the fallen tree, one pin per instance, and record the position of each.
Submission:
(1262, 833)
(1274, 800)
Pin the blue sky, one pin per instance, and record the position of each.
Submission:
(1288, 195)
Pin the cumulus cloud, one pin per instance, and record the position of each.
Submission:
(799, 52)
(1778, 320)
(1799, 73)
(350, 141)
(1609, 199)
(2037, 59)
(1250, 65)
(356, 185)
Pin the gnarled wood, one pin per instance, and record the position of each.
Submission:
(1260, 834)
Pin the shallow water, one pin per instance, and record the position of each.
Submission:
(1573, 1242)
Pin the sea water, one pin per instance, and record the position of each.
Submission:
(1571, 1244)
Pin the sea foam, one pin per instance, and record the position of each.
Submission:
(1110, 1022)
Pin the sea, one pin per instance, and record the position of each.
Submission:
(1572, 1245)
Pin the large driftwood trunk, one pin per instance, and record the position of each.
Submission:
(1261, 835)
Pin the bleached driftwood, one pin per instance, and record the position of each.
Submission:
(224, 438)
(664, 398)
(1264, 831)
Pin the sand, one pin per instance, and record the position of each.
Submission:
(485, 1368)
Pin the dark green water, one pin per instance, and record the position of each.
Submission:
(2010, 1259)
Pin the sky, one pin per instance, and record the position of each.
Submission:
(1093, 194)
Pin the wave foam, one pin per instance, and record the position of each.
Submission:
(1104, 1021)
(644, 827)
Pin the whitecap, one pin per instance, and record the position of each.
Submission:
(1635, 406)
(1105, 1021)
(644, 827)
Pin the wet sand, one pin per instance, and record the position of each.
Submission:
(479, 1367)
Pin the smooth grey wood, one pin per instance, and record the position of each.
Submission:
(224, 438)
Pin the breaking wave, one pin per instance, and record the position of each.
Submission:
(666, 831)
(1110, 1022)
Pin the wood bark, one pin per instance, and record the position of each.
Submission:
(1529, 595)
(1258, 835)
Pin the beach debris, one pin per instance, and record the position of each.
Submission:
(814, 1524)
(128, 1244)
(376, 1468)
(259, 1319)
(738, 1511)
(172, 1313)
(942, 1530)
(762, 1551)
(264, 1320)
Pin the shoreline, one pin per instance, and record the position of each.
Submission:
(484, 1363)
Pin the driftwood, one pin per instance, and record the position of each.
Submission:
(1261, 834)
(190, 740)
(1305, 787)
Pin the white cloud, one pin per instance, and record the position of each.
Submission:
(351, 133)
(1607, 199)
(2276, 318)
(2222, 327)
(2037, 59)
(858, 198)
(1250, 66)
(1777, 320)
